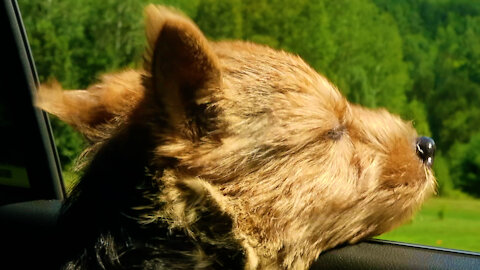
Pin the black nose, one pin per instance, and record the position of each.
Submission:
(426, 149)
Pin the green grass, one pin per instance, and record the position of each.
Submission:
(443, 222)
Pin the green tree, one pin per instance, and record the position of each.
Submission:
(466, 165)
(441, 48)
(442, 173)
(73, 41)
(226, 22)
(454, 103)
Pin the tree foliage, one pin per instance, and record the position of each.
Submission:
(417, 58)
(466, 165)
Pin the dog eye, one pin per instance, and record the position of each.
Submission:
(336, 133)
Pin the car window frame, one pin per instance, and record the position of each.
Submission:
(31, 124)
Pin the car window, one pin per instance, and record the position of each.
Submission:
(419, 59)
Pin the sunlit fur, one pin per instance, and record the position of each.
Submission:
(252, 136)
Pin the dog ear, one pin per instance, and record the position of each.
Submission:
(184, 71)
(197, 207)
(90, 110)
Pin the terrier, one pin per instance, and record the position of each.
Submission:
(229, 155)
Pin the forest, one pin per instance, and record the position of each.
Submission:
(417, 58)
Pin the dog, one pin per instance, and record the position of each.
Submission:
(229, 155)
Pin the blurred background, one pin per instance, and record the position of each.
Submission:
(417, 58)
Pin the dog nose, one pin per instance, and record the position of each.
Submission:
(426, 149)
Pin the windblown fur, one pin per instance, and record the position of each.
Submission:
(228, 155)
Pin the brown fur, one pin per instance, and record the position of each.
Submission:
(254, 135)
